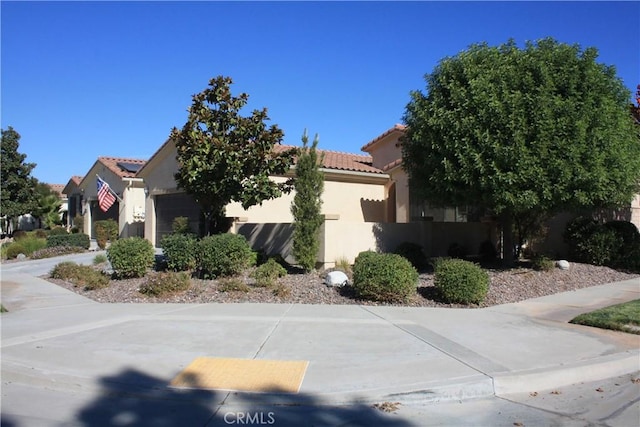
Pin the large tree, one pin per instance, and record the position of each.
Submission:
(523, 132)
(225, 157)
(307, 204)
(18, 186)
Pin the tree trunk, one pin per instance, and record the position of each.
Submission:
(507, 240)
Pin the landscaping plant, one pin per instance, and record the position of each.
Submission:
(384, 277)
(223, 255)
(131, 257)
(460, 281)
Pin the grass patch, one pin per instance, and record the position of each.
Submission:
(623, 317)
(2, 309)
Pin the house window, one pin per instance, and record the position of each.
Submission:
(421, 210)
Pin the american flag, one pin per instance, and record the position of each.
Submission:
(105, 196)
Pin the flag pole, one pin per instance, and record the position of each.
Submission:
(109, 188)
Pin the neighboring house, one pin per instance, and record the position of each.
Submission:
(128, 209)
(74, 199)
(58, 190)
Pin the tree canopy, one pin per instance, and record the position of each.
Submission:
(541, 129)
(225, 157)
(18, 186)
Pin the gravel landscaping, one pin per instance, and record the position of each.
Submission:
(506, 286)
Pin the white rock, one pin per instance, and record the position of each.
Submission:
(563, 264)
(21, 257)
(336, 278)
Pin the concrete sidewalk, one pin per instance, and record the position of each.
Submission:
(56, 343)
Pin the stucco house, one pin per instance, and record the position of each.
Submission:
(128, 209)
(74, 199)
(366, 205)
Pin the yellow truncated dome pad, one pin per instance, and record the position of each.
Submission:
(251, 375)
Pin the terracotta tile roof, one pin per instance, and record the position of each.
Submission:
(57, 188)
(112, 164)
(342, 161)
(395, 128)
(77, 179)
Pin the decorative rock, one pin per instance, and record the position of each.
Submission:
(563, 264)
(21, 257)
(336, 278)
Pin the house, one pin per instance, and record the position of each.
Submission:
(128, 209)
(367, 205)
(74, 199)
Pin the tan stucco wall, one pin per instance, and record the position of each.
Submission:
(348, 200)
(399, 176)
(385, 151)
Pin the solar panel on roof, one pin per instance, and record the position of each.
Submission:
(129, 167)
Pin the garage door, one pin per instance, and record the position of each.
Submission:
(170, 206)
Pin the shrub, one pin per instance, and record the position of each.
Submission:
(56, 231)
(26, 245)
(413, 253)
(180, 225)
(344, 265)
(626, 255)
(383, 277)
(267, 274)
(180, 251)
(106, 231)
(281, 291)
(223, 255)
(80, 275)
(131, 257)
(19, 234)
(542, 263)
(100, 259)
(40, 233)
(165, 283)
(79, 240)
(460, 281)
(601, 248)
(576, 234)
(78, 224)
(14, 249)
(233, 285)
(55, 251)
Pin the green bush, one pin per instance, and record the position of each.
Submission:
(80, 275)
(413, 253)
(14, 249)
(460, 281)
(40, 233)
(106, 231)
(602, 247)
(25, 245)
(100, 259)
(576, 234)
(131, 257)
(79, 240)
(223, 255)
(266, 274)
(384, 277)
(542, 263)
(19, 234)
(165, 283)
(626, 255)
(78, 224)
(180, 251)
(180, 225)
(56, 231)
(232, 284)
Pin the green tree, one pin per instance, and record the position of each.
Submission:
(541, 129)
(47, 206)
(307, 204)
(18, 194)
(225, 157)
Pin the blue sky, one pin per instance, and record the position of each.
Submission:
(88, 79)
